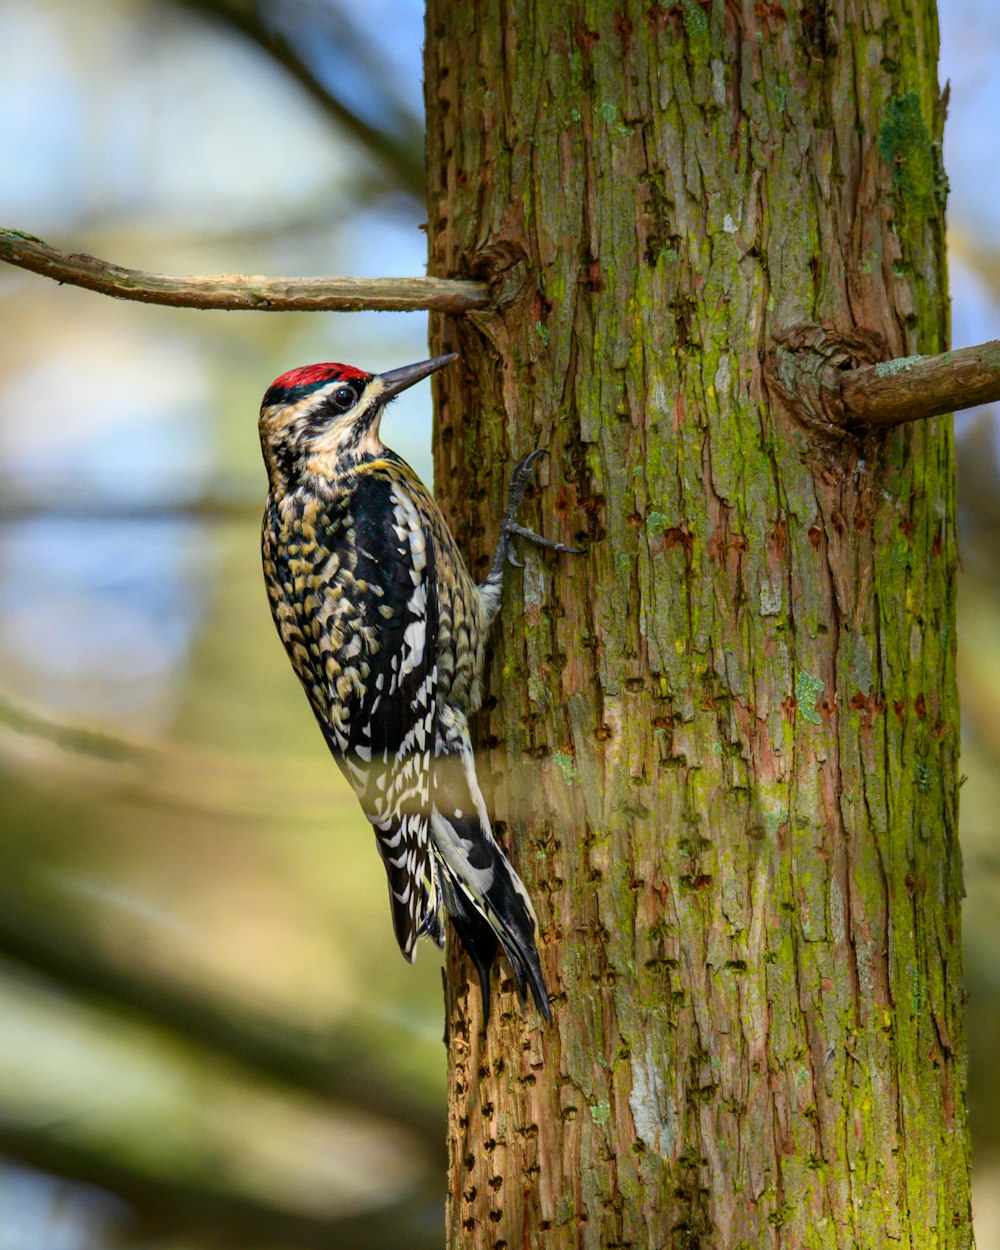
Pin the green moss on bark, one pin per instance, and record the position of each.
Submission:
(906, 144)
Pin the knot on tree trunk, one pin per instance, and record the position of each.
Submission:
(805, 369)
(504, 265)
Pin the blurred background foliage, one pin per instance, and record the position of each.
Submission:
(207, 1036)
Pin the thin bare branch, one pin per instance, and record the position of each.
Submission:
(837, 381)
(915, 387)
(242, 291)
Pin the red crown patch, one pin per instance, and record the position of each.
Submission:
(309, 375)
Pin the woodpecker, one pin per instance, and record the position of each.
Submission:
(386, 630)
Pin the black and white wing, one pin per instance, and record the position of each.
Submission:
(389, 759)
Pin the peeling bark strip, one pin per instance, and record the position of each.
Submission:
(723, 743)
(241, 291)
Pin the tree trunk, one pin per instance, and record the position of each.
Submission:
(722, 746)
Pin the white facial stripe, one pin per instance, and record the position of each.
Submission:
(303, 407)
(330, 441)
(288, 414)
(374, 388)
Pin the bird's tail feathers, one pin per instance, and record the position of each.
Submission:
(482, 893)
(488, 905)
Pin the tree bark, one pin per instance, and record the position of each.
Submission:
(722, 746)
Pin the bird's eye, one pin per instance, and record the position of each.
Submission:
(344, 398)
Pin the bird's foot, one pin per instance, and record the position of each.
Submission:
(539, 541)
(519, 479)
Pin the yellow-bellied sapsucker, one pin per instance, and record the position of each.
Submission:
(386, 630)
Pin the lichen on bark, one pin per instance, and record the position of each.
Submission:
(722, 746)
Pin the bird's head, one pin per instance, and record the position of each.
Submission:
(319, 416)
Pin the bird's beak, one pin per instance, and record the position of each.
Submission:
(397, 380)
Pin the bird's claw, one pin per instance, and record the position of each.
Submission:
(519, 479)
(522, 470)
(540, 541)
